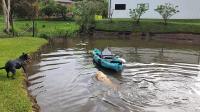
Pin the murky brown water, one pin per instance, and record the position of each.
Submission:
(157, 77)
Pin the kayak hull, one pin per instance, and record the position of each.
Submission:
(115, 65)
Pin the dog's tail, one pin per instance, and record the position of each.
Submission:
(2, 68)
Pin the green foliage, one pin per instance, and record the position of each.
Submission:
(23, 8)
(85, 14)
(102, 8)
(43, 35)
(166, 11)
(61, 10)
(52, 8)
(49, 9)
(136, 13)
(13, 96)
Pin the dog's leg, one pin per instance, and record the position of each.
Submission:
(7, 74)
(13, 73)
(7, 71)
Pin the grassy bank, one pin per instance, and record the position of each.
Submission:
(150, 25)
(43, 28)
(13, 96)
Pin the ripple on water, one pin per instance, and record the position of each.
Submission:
(162, 87)
(152, 81)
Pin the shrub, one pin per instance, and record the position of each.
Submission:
(136, 13)
(166, 11)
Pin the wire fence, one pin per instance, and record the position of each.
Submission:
(44, 29)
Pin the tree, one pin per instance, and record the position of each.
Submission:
(136, 13)
(61, 10)
(102, 7)
(1, 9)
(23, 8)
(85, 15)
(49, 9)
(19, 8)
(166, 11)
(85, 12)
(6, 11)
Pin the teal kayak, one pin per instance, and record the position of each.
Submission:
(109, 62)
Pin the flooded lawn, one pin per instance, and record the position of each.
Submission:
(157, 77)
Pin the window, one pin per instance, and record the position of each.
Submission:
(120, 6)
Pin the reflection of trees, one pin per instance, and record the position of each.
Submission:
(56, 43)
(136, 55)
(133, 55)
(91, 44)
(160, 57)
(198, 58)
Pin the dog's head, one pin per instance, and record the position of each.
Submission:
(26, 57)
(100, 76)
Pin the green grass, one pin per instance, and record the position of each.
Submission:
(49, 28)
(13, 96)
(150, 25)
(44, 28)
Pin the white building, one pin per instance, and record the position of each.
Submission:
(189, 9)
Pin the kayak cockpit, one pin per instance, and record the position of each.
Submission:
(107, 60)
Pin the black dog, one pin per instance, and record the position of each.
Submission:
(18, 63)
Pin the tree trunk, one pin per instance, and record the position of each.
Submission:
(6, 11)
(165, 21)
(138, 20)
(12, 24)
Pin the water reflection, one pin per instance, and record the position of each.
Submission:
(157, 77)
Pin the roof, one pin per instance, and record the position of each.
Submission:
(64, 1)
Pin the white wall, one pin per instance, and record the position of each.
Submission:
(189, 9)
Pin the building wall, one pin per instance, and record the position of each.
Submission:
(189, 9)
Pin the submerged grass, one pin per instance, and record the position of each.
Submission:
(13, 96)
(150, 25)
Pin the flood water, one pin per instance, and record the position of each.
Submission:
(157, 77)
